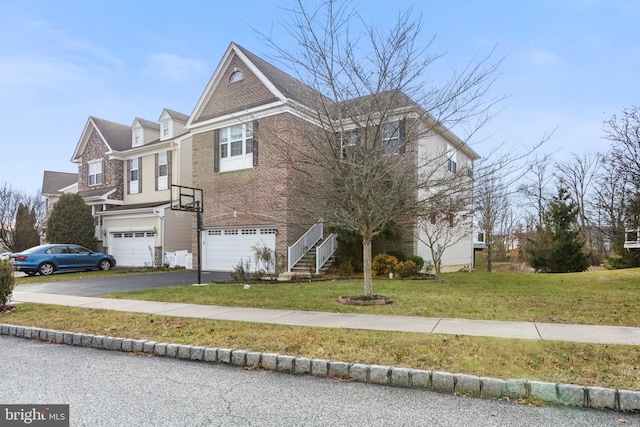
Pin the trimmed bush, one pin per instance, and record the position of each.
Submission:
(384, 264)
(418, 261)
(406, 268)
(400, 255)
(7, 283)
(345, 269)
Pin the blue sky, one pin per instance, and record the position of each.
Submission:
(569, 64)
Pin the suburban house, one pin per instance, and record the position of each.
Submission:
(632, 239)
(249, 197)
(55, 184)
(125, 175)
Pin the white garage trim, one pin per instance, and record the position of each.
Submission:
(224, 247)
(133, 249)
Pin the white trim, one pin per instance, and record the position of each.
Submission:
(139, 229)
(217, 76)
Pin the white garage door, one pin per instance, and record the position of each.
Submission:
(223, 248)
(133, 249)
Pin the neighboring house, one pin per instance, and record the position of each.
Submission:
(55, 184)
(125, 174)
(632, 239)
(248, 197)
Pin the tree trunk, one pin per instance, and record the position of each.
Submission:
(366, 266)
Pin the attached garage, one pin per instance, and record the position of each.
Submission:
(223, 248)
(132, 249)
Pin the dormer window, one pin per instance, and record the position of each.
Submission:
(165, 129)
(235, 76)
(137, 137)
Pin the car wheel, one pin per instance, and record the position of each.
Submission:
(46, 269)
(104, 265)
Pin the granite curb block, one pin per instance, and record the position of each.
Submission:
(566, 394)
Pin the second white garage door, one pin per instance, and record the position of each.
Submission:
(133, 249)
(223, 248)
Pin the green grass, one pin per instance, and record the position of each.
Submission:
(598, 298)
(613, 366)
(603, 297)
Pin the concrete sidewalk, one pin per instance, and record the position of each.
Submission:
(486, 328)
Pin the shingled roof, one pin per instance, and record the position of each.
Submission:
(53, 182)
(116, 135)
(289, 86)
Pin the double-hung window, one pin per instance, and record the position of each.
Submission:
(95, 175)
(134, 176)
(390, 137)
(236, 147)
(162, 170)
(452, 166)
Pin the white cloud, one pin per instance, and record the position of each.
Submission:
(543, 58)
(171, 67)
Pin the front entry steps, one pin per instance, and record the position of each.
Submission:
(306, 267)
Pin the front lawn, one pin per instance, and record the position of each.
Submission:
(605, 297)
(598, 298)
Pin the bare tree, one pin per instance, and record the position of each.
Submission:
(624, 133)
(578, 175)
(534, 188)
(442, 230)
(360, 151)
(10, 201)
(610, 198)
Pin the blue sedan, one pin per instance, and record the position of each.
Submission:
(46, 259)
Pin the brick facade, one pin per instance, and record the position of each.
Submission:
(238, 95)
(113, 170)
(257, 196)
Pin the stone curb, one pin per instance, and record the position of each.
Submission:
(468, 385)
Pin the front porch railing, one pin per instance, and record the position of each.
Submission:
(304, 243)
(325, 250)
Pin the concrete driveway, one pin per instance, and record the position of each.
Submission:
(107, 285)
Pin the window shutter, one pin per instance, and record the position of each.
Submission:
(255, 143)
(157, 171)
(216, 150)
(129, 176)
(103, 174)
(139, 174)
(169, 170)
(402, 133)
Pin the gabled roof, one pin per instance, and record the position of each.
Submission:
(175, 115)
(117, 137)
(54, 182)
(289, 86)
(146, 124)
(284, 87)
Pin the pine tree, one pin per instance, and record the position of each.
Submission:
(70, 221)
(556, 247)
(26, 234)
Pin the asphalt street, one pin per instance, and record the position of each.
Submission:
(106, 388)
(105, 285)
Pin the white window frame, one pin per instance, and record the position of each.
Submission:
(134, 172)
(166, 129)
(163, 170)
(236, 147)
(137, 137)
(95, 175)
